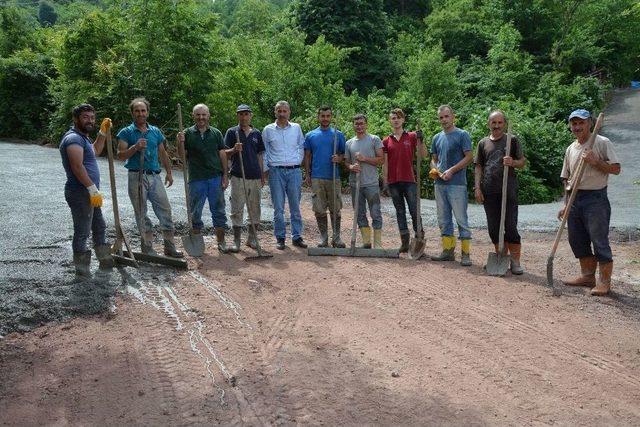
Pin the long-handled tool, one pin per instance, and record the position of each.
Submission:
(352, 251)
(261, 254)
(116, 249)
(417, 244)
(573, 186)
(498, 263)
(129, 257)
(193, 243)
(334, 214)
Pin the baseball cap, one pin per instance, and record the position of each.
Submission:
(243, 107)
(580, 113)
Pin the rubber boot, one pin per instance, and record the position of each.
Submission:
(404, 239)
(514, 250)
(587, 273)
(336, 241)
(448, 248)
(366, 237)
(82, 263)
(103, 253)
(146, 245)
(323, 225)
(237, 234)
(170, 245)
(222, 246)
(251, 240)
(465, 258)
(377, 238)
(604, 282)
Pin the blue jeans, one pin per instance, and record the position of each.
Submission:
(452, 199)
(286, 183)
(154, 191)
(201, 191)
(401, 191)
(85, 220)
(588, 224)
(368, 196)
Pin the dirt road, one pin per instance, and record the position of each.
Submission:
(337, 341)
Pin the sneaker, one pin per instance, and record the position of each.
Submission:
(299, 243)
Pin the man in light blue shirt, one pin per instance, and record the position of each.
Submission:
(284, 151)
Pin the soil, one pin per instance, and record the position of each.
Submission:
(339, 341)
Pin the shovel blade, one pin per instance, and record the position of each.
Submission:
(498, 264)
(416, 248)
(193, 244)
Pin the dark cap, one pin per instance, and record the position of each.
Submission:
(243, 107)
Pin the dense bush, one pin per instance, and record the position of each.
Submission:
(536, 60)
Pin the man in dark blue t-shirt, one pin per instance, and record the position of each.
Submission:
(81, 191)
(321, 164)
(252, 148)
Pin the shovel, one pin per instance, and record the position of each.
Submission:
(498, 263)
(193, 243)
(417, 244)
(261, 255)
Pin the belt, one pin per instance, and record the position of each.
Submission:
(148, 172)
(287, 167)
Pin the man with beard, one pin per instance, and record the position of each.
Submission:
(321, 164)
(81, 191)
(141, 137)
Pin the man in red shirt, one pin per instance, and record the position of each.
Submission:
(400, 151)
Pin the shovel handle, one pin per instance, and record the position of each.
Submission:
(505, 183)
(185, 170)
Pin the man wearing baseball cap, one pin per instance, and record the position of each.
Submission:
(588, 222)
(252, 148)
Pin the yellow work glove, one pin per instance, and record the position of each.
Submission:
(95, 197)
(105, 126)
(434, 174)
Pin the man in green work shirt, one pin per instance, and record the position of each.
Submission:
(205, 152)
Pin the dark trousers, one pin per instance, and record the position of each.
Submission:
(85, 220)
(492, 207)
(401, 191)
(588, 224)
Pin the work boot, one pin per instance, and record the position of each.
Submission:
(103, 253)
(465, 258)
(222, 246)
(251, 240)
(587, 273)
(404, 238)
(377, 238)
(82, 263)
(514, 250)
(299, 242)
(366, 237)
(336, 242)
(237, 234)
(170, 245)
(146, 245)
(280, 245)
(448, 248)
(324, 232)
(604, 284)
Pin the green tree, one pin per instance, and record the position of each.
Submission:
(47, 15)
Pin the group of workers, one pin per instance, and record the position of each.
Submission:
(277, 154)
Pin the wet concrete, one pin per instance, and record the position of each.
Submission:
(36, 274)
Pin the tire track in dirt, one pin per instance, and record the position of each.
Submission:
(453, 329)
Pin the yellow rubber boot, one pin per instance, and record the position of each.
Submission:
(377, 239)
(465, 259)
(448, 248)
(366, 237)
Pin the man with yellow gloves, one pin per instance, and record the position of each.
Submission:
(450, 155)
(81, 191)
